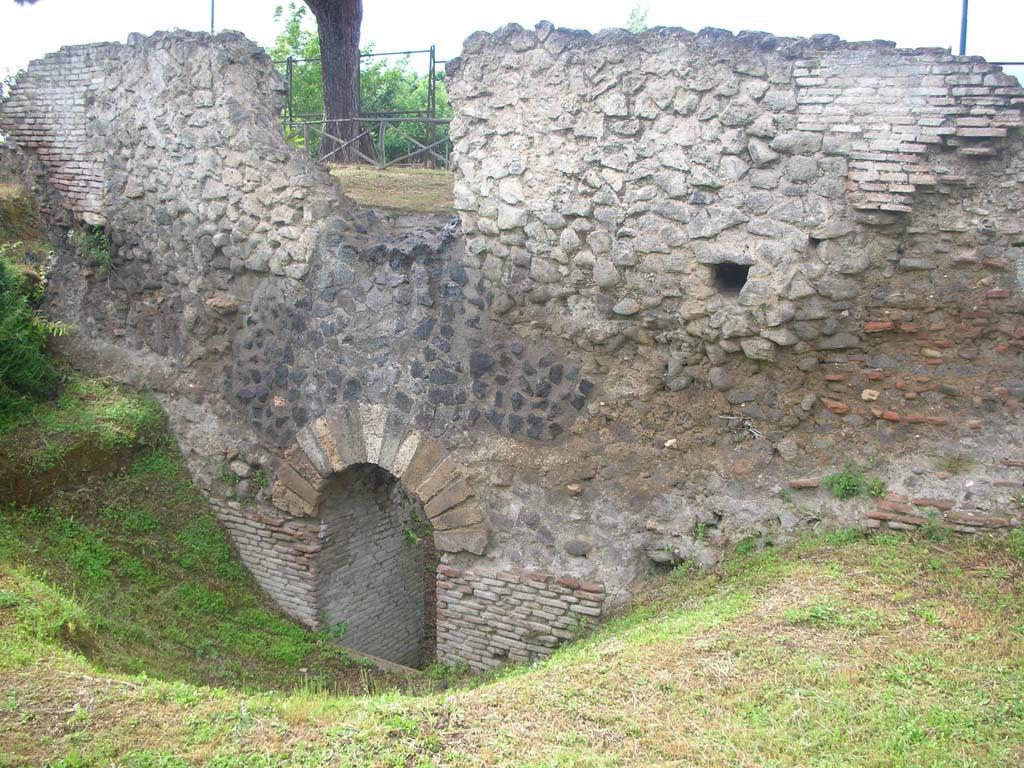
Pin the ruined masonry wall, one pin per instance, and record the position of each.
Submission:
(606, 177)
(288, 334)
(697, 274)
(492, 617)
(55, 100)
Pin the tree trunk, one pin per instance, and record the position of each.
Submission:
(338, 23)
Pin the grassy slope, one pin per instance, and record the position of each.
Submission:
(152, 583)
(407, 189)
(840, 651)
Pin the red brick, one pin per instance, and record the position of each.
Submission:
(891, 416)
(916, 418)
(804, 482)
(447, 570)
(974, 423)
(892, 506)
(570, 582)
(936, 503)
(592, 586)
(1012, 462)
(998, 293)
(910, 327)
(836, 406)
(877, 326)
(1007, 484)
(943, 475)
(875, 375)
(835, 377)
(877, 515)
(938, 421)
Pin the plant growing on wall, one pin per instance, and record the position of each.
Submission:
(93, 245)
(853, 481)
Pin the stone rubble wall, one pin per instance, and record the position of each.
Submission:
(581, 383)
(288, 334)
(604, 177)
(490, 617)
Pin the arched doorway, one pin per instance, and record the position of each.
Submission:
(376, 571)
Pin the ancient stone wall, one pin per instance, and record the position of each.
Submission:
(699, 273)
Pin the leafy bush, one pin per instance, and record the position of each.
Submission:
(853, 481)
(25, 370)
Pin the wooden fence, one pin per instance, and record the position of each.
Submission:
(370, 139)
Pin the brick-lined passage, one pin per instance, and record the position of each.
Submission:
(370, 574)
(489, 617)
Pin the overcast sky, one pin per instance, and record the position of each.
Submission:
(996, 26)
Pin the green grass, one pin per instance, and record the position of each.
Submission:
(140, 560)
(130, 635)
(842, 650)
(420, 190)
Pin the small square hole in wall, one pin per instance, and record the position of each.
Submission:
(730, 277)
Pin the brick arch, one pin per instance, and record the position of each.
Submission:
(346, 436)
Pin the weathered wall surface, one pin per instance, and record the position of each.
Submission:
(818, 240)
(696, 270)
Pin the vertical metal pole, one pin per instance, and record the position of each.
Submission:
(428, 159)
(382, 161)
(211, 16)
(291, 93)
(963, 31)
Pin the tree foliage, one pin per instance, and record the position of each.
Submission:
(637, 22)
(384, 87)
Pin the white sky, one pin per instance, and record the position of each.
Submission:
(27, 32)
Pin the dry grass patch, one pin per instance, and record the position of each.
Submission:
(819, 660)
(419, 190)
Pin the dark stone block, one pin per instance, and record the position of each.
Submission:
(518, 401)
(515, 424)
(586, 386)
(555, 373)
(480, 363)
(443, 376)
(403, 402)
(423, 329)
(458, 273)
(441, 396)
(534, 427)
(352, 389)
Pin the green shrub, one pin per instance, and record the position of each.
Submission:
(25, 370)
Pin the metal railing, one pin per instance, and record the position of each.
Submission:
(372, 129)
(370, 135)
